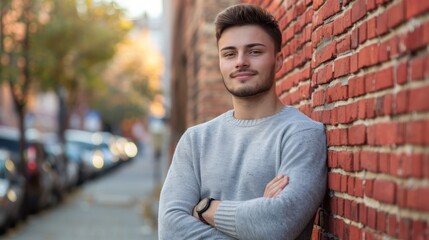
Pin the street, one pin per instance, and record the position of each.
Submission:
(119, 205)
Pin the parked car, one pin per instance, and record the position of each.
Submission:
(86, 146)
(109, 148)
(12, 189)
(66, 170)
(73, 154)
(126, 148)
(58, 162)
(38, 172)
(131, 149)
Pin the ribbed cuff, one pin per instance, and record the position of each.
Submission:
(225, 217)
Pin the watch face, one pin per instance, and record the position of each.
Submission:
(202, 204)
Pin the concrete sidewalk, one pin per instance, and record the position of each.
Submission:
(120, 205)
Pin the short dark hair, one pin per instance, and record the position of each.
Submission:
(249, 14)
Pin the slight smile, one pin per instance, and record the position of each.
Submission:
(243, 75)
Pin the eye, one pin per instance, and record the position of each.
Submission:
(228, 54)
(255, 52)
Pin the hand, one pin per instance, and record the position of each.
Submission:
(275, 186)
(209, 214)
(194, 212)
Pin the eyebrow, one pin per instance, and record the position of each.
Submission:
(246, 46)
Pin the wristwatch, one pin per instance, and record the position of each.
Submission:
(202, 207)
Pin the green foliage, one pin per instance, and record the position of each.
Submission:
(72, 45)
(132, 80)
(116, 105)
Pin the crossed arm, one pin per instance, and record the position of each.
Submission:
(273, 188)
(281, 211)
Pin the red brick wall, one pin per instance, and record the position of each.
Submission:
(197, 89)
(198, 92)
(362, 68)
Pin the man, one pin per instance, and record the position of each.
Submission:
(257, 171)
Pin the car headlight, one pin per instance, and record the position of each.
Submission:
(11, 195)
(10, 166)
(131, 149)
(97, 159)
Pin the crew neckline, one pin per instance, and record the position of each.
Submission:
(229, 116)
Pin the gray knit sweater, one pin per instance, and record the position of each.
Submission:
(233, 160)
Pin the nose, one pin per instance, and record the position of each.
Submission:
(242, 61)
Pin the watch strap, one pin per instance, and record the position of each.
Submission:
(206, 207)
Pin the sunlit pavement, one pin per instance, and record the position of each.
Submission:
(119, 205)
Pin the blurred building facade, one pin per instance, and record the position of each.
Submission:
(197, 90)
(42, 110)
(358, 66)
(7, 111)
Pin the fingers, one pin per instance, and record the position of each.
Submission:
(194, 212)
(274, 182)
(275, 186)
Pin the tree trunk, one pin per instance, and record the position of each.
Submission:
(62, 114)
(22, 140)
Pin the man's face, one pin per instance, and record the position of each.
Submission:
(248, 61)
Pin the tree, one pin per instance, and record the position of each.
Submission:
(60, 45)
(133, 80)
(75, 43)
(17, 24)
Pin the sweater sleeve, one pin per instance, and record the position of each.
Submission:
(286, 216)
(179, 195)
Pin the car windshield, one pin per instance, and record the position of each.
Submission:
(2, 169)
(80, 145)
(10, 145)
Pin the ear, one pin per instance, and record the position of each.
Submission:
(279, 61)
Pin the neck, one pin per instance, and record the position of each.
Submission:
(256, 107)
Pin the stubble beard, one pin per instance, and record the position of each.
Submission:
(250, 91)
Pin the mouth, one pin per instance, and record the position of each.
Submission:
(243, 75)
